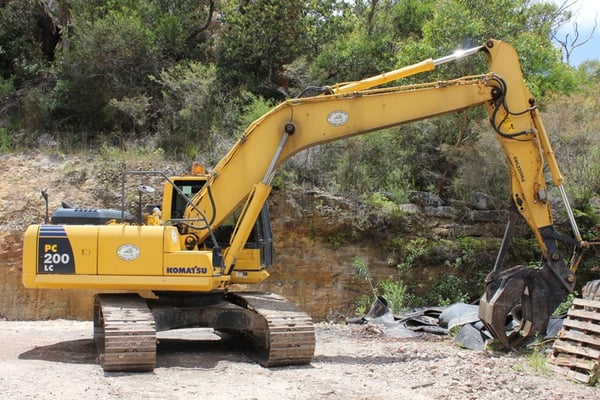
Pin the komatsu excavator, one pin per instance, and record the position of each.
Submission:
(212, 229)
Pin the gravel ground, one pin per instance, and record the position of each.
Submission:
(57, 359)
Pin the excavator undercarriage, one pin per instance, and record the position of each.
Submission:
(275, 332)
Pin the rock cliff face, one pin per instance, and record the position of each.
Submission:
(317, 237)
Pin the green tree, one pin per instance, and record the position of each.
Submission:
(182, 29)
(257, 39)
(327, 20)
(409, 17)
(467, 23)
(354, 57)
(109, 58)
(28, 37)
(370, 42)
(590, 69)
(527, 25)
(186, 113)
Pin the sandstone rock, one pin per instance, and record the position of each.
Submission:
(425, 199)
(483, 201)
(441, 212)
(409, 209)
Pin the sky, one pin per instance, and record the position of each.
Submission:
(584, 13)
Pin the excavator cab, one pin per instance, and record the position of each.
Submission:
(178, 202)
(175, 201)
(178, 195)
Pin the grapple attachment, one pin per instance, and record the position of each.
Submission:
(518, 302)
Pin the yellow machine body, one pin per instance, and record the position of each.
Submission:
(116, 256)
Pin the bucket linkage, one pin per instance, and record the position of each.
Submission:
(518, 302)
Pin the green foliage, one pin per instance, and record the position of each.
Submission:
(361, 270)
(490, 173)
(589, 70)
(37, 107)
(565, 305)
(392, 290)
(180, 29)
(188, 120)
(448, 290)
(466, 279)
(257, 40)
(459, 284)
(409, 16)
(380, 202)
(544, 71)
(395, 293)
(109, 58)
(412, 250)
(380, 162)
(7, 87)
(27, 39)
(354, 57)
(134, 110)
(5, 140)
(455, 275)
(589, 172)
(256, 107)
(283, 178)
(326, 20)
(573, 123)
(420, 152)
(363, 305)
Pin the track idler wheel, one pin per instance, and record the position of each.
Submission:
(517, 303)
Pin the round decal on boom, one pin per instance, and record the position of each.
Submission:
(338, 118)
(128, 252)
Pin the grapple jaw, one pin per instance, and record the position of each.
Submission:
(518, 302)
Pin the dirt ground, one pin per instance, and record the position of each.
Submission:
(57, 359)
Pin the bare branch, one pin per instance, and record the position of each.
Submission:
(575, 45)
(569, 42)
(199, 29)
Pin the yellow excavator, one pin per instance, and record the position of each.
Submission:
(212, 229)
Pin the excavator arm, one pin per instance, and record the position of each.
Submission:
(244, 175)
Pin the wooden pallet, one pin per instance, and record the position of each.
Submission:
(576, 351)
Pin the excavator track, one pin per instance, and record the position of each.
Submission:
(270, 328)
(287, 336)
(124, 332)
